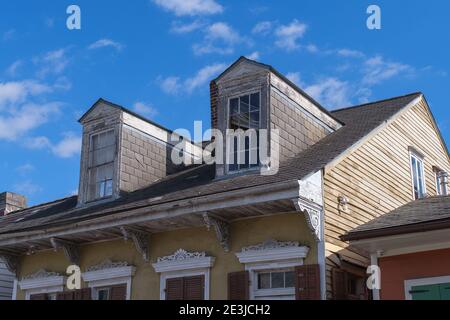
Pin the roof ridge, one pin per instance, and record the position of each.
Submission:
(378, 101)
(44, 204)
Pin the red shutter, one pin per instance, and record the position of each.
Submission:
(238, 285)
(82, 294)
(174, 289)
(67, 295)
(194, 288)
(340, 291)
(119, 292)
(307, 282)
(42, 296)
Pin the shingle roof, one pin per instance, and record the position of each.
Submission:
(416, 213)
(200, 181)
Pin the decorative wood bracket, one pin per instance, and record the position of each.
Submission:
(312, 215)
(11, 261)
(221, 227)
(70, 250)
(140, 239)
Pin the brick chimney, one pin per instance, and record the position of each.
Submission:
(10, 202)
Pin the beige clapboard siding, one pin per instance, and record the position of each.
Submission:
(376, 179)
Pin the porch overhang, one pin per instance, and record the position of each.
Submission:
(137, 224)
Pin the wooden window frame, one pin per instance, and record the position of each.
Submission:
(419, 159)
(409, 284)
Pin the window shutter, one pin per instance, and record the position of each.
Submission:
(119, 292)
(238, 285)
(82, 294)
(67, 295)
(340, 290)
(194, 288)
(174, 289)
(42, 296)
(307, 282)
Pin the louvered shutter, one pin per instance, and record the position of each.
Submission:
(82, 294)
(174, 289)
(340, 290)
(307, 282)
(42, 296)
(194, 288)
(238, 285)
(119, 292)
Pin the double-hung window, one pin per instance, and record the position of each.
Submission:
(244, 114)
(102, 152)
(418, 176)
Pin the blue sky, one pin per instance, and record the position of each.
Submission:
(157, 58)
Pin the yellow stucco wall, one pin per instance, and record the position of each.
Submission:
(145, 283)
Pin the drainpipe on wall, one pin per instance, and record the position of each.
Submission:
(374, 262)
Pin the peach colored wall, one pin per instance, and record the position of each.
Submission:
(395, 270)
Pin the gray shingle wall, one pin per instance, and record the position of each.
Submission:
(6, 283)
(143, 160)
(298, 130)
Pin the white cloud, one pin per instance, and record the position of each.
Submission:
(219, 38)
(331, 92)
(254, 55)
(222, 31)
(25, 168)
(67, 147)
(349, 53)
(175, 85)
(18, 91)
(52, 62)
(12, 69)
(294, 77)
(20, 121)
(377, 70)
(181, 28)
(27, 188)
(311, 48)
(145, 109)
(288, 35)
(105, 43)
(262, 28)
(190, 7)
(208, 48)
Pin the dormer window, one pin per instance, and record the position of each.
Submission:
(244, 114)
(102, 151)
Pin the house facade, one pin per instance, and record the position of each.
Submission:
(144, 226)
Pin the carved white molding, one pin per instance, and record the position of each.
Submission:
(273, 251)
(11, 262)
(42, 281)
(140, 239)
(70, 250)
(108, 264)
(313, 215)
(183, 260)
(42, 273)
(221, 227)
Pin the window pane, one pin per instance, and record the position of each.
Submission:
(234, 106)
(254, 119)
(414, 173)
(103, 294)
(264, 281)
(108, 188)
(420, 179)
(289, 281)
(254, 101)
(244, 106)
(278, 280)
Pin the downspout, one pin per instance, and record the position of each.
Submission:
(374, 262)
(321, 246)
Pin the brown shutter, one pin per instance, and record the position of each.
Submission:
(67, 295)
(42, 296)
(82, 294)
(238, 285)
(119, 292)
(194, 288)
(307, 282)
(174, 289)
(340, 290)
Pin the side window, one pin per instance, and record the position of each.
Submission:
(418, 176)
(102, 151)
(441, 182)
(244, 114)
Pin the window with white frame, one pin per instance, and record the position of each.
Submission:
(102, 151)
(242, 149)
(271, 266)
(418, 176)
(42, 285)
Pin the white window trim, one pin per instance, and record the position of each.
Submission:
(184, 264)
(267, 256)
(42, 282)
(409, 284)
(109, 276)
(420, 159)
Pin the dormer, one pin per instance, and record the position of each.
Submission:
(250, 94)
(123, 152)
